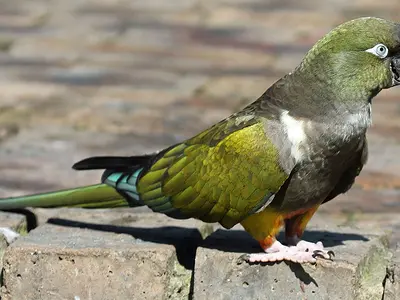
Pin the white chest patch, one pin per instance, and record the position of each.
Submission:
(296, 135)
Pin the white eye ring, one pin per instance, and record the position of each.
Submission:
(379, 50)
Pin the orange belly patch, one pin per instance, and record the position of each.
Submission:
(265, 225)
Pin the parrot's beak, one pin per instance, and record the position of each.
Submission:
(395, 68)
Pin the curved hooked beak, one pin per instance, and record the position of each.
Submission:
(395, 69)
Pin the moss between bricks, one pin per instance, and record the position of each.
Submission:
(22, 228)
(179, 282)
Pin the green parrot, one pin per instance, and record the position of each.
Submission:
(272, 164)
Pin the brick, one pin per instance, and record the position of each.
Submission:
(101, 254)
(357, 271)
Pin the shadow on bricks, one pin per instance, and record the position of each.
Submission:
(186, 240)
(240, 242)
(30, 217)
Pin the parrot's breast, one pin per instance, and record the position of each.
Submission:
(318, 153)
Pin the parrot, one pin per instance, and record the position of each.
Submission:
(270, 165)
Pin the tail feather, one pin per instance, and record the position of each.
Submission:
(94, 196)
(122, 173)
(118, 188)
(112, 162)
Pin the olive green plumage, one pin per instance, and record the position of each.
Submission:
(215, 176)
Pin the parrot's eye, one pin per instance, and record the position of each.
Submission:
(379, 50)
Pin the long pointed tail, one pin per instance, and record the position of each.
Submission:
(118, 189)
(93, 196)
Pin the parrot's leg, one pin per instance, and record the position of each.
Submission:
(264, 226)
(294, 229)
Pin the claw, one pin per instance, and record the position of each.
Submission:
(323, 254)
(320, 253)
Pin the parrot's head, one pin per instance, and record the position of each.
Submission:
(361, 55)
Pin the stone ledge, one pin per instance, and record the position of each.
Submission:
(101, 254)
(121, 254)
(357, 272)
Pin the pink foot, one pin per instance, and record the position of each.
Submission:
(293, 256)
(303, 252)
(316, 248)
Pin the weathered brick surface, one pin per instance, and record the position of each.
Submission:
(85, 264)
(357, 271)
(123, 254)
(103, 255)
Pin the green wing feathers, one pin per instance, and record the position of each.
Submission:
(222, 175)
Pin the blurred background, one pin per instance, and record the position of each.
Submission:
(108, 77)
